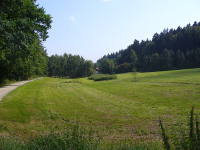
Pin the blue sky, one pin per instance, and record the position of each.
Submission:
(93, 28)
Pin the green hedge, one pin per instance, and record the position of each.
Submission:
(102, 77)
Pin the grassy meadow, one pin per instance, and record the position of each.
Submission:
(122, 108)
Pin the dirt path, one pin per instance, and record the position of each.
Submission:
(7, 89)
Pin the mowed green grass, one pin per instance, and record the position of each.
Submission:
(115, 108)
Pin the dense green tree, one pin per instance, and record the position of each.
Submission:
(23, 26)
(179, 60)
(69, 66)
(155, 62)
(107, 66)
(166, 60)
(133, 59)
(196, 54)
(125, 67)
(88, 68)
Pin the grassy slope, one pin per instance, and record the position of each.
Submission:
(118, 107)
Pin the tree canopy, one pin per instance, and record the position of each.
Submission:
(23, 26)
(171, 49)
(69, 66)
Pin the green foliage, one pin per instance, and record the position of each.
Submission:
(169, 50)
(125, 67)
(102, 77)
(107, 66)
(69, 66)
(23, 27)
(133, 59)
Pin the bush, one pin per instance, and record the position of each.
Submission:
(102, 77)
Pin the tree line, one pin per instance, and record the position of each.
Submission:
(69, 66)
(23, 27)
(171, 49)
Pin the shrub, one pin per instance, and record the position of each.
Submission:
(102, 77)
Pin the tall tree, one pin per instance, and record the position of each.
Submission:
(23, 26)
(107, 66)
(133, 59)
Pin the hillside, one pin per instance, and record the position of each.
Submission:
(169, 50)
(117, 108)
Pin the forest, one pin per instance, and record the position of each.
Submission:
(171, 49)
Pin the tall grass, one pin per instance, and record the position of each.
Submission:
(78, 138)
(165, 138)
(75, 138)
(185, 139)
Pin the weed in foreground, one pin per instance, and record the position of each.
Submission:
(187, 139)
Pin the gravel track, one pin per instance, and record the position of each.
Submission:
(8, 88)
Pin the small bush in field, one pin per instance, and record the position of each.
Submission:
(102, 77)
